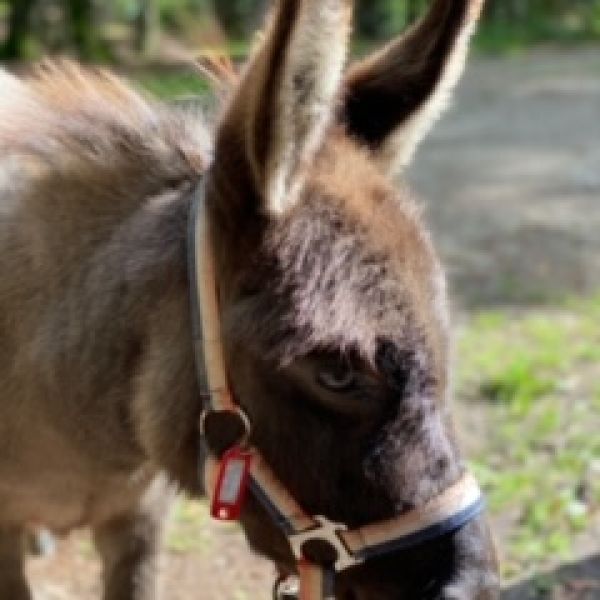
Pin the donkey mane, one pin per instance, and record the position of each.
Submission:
(88, 125)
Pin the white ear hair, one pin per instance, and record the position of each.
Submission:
(305, 104)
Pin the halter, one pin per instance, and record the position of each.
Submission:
(243, 467)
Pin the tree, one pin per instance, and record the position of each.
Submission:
(238, 17)
(18, 28)
(81, 22)
(147, 30)
(413, 9)
(374, 19)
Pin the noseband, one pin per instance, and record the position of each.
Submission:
(241, 467)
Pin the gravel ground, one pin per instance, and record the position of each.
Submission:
(511, 179)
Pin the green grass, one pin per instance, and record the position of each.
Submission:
(188, 530)
(535, 378)
(174, 84)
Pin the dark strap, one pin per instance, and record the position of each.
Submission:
(197, 201)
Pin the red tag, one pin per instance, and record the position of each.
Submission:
(232, 485)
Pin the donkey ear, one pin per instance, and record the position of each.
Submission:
(286, 100)
(395, 96)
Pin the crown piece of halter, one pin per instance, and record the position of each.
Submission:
(242, 468)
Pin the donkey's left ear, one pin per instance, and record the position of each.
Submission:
(394, 97)
(287, 98)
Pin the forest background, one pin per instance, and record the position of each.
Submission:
(121, 30)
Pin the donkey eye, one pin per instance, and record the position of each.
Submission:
(337, 378)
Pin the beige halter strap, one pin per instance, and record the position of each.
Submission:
(445, 513)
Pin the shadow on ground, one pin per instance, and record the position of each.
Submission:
(577, 581)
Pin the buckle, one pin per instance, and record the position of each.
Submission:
(328, 532)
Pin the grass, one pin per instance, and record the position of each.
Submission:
(173, 84)
(188, 531)
(534, 378)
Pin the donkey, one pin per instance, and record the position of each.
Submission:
(332, 301)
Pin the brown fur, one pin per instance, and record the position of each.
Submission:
(99, 407)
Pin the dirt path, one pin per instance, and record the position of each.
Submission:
(512, 179)
(211, 563)
(512, 182)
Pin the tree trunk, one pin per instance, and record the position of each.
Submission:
(19, 24)
(238, 17)
(374, 19)
(81, 15)
(148, 27)
(412, 10)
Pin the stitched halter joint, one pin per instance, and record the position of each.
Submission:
(328, 532)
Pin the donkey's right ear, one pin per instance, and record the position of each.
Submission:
(286, 100)
(394, 97)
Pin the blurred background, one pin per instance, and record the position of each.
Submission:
(510, 183)
(125, 30)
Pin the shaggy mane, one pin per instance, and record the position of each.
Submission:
(68, 121)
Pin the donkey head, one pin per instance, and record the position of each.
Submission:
(332, 296)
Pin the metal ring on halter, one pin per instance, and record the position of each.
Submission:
(238, 412)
